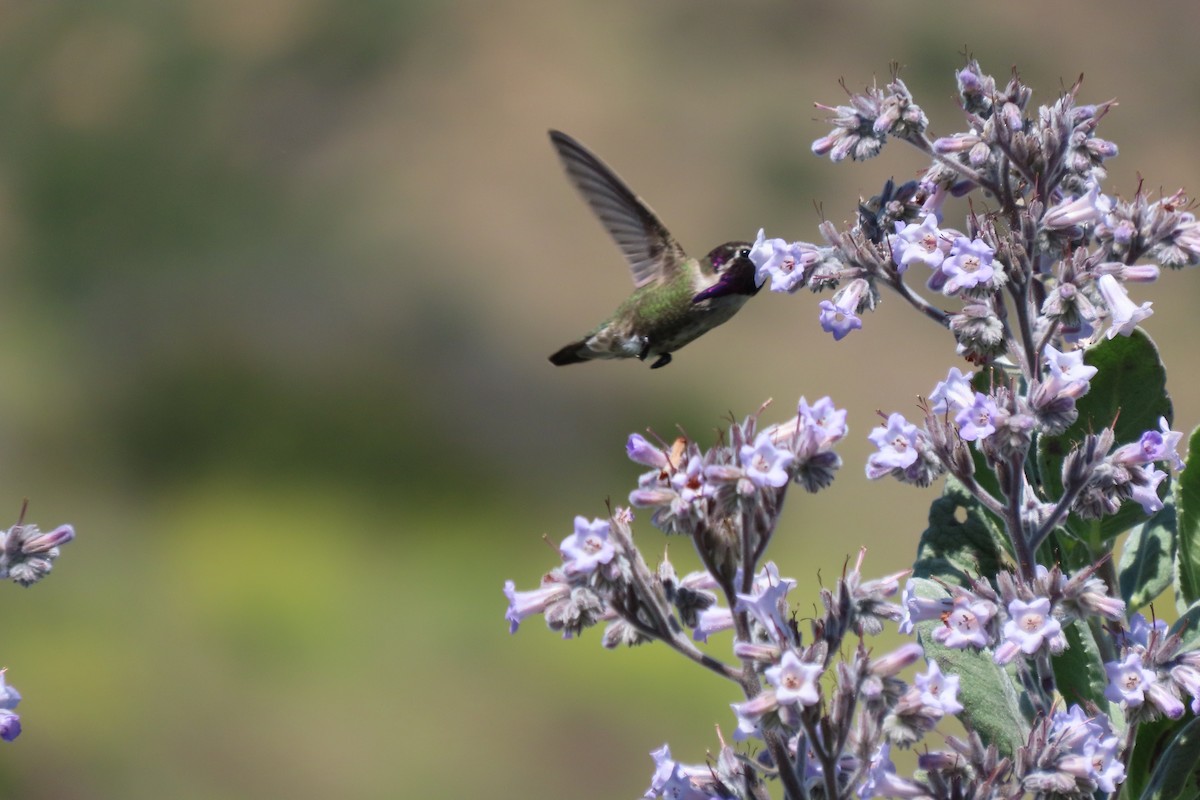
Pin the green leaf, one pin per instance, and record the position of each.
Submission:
(1130, 389)
(1187, 554)
(1079, 670)
(1148, 749)
(1147, 562)
(991, 705)
(961, 540)
(1175, 776)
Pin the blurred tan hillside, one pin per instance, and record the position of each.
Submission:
(278, 281)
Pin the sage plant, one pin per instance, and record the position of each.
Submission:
(1052, 436)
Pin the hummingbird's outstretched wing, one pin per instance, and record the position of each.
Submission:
(652, 253)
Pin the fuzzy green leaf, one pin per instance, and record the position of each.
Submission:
(961, 540)
(1147, 562)
(1153, 738)
(1187, 553)
(1079, 670)
(1176, 776)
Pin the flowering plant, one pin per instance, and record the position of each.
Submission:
(1027, 623)
(26, 556)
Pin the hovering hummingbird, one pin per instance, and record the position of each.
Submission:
(676, 298)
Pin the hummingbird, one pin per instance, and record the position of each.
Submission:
(676, 298)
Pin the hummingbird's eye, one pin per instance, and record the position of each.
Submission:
(744, 252)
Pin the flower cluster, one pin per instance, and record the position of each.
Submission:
(1056, 246)
(26, 556)
(1002, 424)
(1014, 616)
(689, 488)
(861, 128)
(1071, 754)
(1154, 672)
(1056, 445)
(726, 499)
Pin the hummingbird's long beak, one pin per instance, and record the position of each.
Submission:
(719, 289)
(736, 280)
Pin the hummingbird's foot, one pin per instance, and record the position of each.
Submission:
(663, 360)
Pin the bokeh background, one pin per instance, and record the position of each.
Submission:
(278, 280)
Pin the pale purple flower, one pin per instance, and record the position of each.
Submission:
(642, 452)
(795, 681)
(1108, 770)
(1075, 211)
(34, 542)
(1141, 629)
(785, 264)
(1030, 626)
(10, 722)
(757, 651)
(10, 725)
(962, 142)
(918, 242)
(1161, 445)
(840, 315)
(652, 496)
(969, 265)
(1082, 330)
(966, 624)
(1069, 376)
(978, 90)
(751, 712)
(897, 443)
(673, 780)
(920, 609)
(765, 464)
(938, 690)
(892, 663)
(713, 619)
(1125, 315)
(1129, 273)
(523, 604)
(825, 418)
(977, 421)
(936, 198)
(838, 321)
(1075, 730)
(1127, 680)
(953, 394)
(588, 547)
(881, 779)
(1188, 678)
(1161, 697)
(767, 600)
(1145, 492)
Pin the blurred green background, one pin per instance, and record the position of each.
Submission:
(278, 280)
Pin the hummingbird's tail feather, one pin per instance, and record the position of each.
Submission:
(571, 354)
